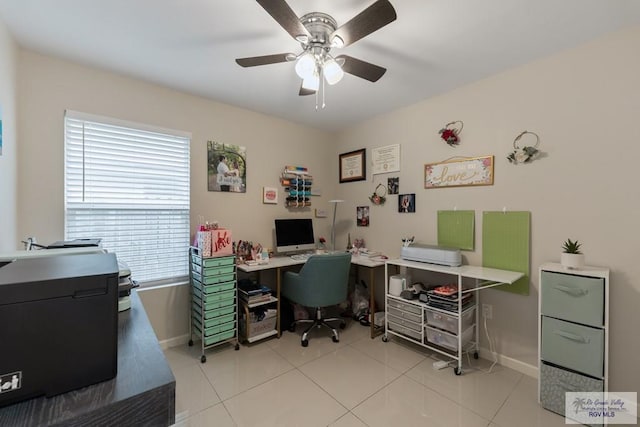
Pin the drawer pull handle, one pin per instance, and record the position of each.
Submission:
(572, 336)
(566, 386)
(576, 292)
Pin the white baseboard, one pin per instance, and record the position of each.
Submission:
(174, 342)
(510, 362)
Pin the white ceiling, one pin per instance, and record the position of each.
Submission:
(433, 46)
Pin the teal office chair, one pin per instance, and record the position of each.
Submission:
(322, 282)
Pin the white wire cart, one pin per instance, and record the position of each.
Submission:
(451, 331)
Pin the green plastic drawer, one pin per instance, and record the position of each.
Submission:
(574, 298)
(211, 308)
(212, 339)
(212, 280)
(209, 323)
(218, 262)
(217, 271)
(573, 346)
(212, 289)
(211, 316)
(216, 329)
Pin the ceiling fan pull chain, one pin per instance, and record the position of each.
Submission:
(323, 86)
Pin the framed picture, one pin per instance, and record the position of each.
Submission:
(393, 185)
(407, 203)
(353, 166)
(362, 216)
(459, 173)
(226, 167)
(270, 195)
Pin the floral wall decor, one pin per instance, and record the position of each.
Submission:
(450, 133)
(524, 153)
(379, 195)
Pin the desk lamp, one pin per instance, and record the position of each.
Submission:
(333, 225)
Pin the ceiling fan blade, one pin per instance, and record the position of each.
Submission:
(364, 70)
(285, 16)
(366, 22)
(305, 91)
(264, 60)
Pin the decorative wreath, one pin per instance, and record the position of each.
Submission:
(525, 154)
(378, 196)
(450, 132)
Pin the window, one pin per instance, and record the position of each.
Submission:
(128, 184)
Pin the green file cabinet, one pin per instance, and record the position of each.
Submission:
(573, 330)
(214, 301)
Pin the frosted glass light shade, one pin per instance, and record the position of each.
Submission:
(311, 83)
(332, 71)
(306, 66)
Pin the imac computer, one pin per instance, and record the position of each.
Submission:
(293, 235)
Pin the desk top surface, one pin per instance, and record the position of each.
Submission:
(471, 271)
(286, 261)
(142, 368)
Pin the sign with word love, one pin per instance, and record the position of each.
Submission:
(459, 172)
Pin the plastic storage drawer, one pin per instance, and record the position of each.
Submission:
(212, 280)
(449, 322)
(218, 262)
(209, 323)
(405, 306)
(217, 271)
(409, 333)
(216, 337)
(209, 306)
(416, 326)
(570, 344)
(212, 289)
(215, 329)
(447, 340)
(578, 299)
(404, 315)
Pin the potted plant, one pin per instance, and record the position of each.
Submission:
(571, 257)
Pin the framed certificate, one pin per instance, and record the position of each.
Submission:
(353, 166)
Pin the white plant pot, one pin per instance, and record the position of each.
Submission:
(572, 261)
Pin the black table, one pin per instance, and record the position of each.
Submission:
(142, 394)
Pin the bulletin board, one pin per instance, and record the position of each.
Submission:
(456, 229)
(506, 242)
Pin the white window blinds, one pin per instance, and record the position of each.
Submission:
(129, 185)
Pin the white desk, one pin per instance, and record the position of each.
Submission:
(278, 263)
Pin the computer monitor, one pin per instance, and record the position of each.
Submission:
(294, 235)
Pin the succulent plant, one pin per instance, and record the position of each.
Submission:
(570, 247)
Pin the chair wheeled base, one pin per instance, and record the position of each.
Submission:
(319, 321)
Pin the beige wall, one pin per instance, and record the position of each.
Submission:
(48, 86)
(8, 158)
(584, 104)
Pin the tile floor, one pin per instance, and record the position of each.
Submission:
(356, 382)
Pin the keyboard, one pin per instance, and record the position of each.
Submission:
(300, 257)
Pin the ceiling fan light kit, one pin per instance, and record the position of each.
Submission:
(317, 34)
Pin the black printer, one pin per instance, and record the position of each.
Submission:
(58, 324)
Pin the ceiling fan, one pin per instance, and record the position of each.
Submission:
(318, 33)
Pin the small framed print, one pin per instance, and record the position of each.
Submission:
(270, 195)
(407, 203)
(353, 166)
(362, 216)
(393, 185)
